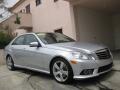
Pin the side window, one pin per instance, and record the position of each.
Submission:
(55, 0)
(38, 2)
(28, 8)
(19, 41)
(29, 39)
(59, 31)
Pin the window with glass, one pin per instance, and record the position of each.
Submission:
(28, 8)
(52, 38)
(55, 0)
(58, 31)
(19, 41)
(38, 2)
(29, 39)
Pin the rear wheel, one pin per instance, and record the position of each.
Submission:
(62, 71)
(10, 63)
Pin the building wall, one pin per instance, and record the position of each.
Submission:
(50, 15)
(19, 32)
(94, 26)
(116, 24)
(22, 6)
(26, 20)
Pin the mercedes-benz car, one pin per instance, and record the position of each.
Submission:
(58, 55)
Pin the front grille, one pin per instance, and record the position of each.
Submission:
(103, 54)
(104, 68)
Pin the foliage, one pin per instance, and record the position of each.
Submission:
(4, 39)
(17, 20)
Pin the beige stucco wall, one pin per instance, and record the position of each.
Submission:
(26, 20)
(94, 26)
(50, 16)
(22, 6)
(19, 32)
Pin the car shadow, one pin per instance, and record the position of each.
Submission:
(96, 82)
(79, 84)
(48, 76)
(35, 73)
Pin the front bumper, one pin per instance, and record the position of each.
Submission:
(96, 65)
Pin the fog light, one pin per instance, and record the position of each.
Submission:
(87, 72)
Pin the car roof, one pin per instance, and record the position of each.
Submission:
(29, 33)
(37, 33)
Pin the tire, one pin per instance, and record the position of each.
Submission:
(61, 71)
(10, 63)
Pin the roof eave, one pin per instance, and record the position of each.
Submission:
(16, 5)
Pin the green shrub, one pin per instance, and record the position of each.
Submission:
(4, 39)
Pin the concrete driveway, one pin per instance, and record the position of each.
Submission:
(29, 80)
(2, 61)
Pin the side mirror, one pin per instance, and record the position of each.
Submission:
(34, 44)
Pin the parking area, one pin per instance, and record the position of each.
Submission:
(29, 80)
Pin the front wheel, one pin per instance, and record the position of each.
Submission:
(62, 71)
(10, 63)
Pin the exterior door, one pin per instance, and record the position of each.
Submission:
(33, 56)
(18, 49)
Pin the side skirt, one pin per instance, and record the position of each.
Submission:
(34, 69)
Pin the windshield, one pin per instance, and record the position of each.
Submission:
(52, 38)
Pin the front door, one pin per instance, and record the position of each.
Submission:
(33, 57)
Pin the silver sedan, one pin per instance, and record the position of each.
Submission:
(59, 55)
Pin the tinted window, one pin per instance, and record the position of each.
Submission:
(38, 2)
(59, 31)
(29, 39)
(19, 41)
(28, 8)
(51, 38)
(55, 0)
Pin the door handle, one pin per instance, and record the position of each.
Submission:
(24, 48)
(12, 47)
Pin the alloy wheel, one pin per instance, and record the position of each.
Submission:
(60, 71)
(9, 63)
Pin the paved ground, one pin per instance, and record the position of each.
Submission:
(2, 61)
(28, 80)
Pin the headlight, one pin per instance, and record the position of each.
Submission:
(80, 55)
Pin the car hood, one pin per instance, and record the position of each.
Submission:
(77, 46)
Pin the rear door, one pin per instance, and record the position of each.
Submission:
(18, 49)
